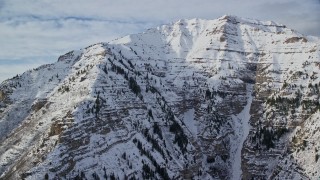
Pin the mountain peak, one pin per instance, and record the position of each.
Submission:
(196, 99)
(235, 19)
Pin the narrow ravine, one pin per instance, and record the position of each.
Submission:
(242, 128)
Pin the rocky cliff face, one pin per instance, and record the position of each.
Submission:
(203, 99)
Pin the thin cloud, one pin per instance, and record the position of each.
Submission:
(30, 38)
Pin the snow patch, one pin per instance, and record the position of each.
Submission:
(188, 119)
(242, 128)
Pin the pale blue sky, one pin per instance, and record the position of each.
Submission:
(35, 32)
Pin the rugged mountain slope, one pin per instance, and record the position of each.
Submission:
(204, 99)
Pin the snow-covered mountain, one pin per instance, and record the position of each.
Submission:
(229, 98)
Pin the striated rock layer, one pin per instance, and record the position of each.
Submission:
(229, 98)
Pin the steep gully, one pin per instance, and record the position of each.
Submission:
(242, 128)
